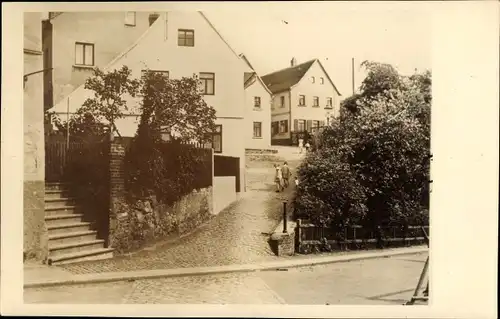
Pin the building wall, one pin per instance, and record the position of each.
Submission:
(223, 193)
(35, 232)
(279, 113)
(158, 50)
(106, 30)
(262, 115)
(309, 89)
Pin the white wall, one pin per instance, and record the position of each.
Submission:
(309, 89)
(262, 114)
(34, 147)
(223, 192)
(158, 50)
(279, 113)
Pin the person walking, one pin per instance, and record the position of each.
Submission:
(307, 147)
(285, 171)
(278, 178)
(301, 145)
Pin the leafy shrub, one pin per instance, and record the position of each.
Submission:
(372, 166)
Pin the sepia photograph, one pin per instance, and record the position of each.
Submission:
(275, 156)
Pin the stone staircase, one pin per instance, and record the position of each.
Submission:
(71, 239)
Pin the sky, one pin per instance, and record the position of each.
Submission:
(398, 33)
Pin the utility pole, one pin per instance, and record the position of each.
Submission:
(352, 76)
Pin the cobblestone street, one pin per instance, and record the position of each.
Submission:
(381, 281)
(237, 235)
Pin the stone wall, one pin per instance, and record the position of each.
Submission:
(135, 223)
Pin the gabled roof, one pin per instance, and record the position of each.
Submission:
(244, 58)
(80, 93)
(284, 79)
(249, 77)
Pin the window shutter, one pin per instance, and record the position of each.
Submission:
(309, 125)
(295, 125)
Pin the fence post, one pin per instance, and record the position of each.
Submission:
(117, 184)
(298, 235)
(284, 218)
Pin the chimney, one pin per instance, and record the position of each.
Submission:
(293, 62)
(153, 17)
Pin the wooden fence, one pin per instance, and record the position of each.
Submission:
(357, 237)
(60, 156)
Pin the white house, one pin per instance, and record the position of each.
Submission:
(304, 98)
(183, 44)
(257, 111)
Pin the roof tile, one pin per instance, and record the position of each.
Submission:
(284, 79)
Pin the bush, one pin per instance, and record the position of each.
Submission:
(372, 165)
(166, 170)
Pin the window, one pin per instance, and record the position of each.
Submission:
(185, 38)
(329, 102)
(256, 101)
(84, 54)
(275, 128)
(130, 18)
(217, 139)
(316, 101)
(315, 124)
(282, 101)
(302, 100)
(257, 129)
(301, 125)
(313, 79)
(321, 81)
(207, 83)
(284, 126)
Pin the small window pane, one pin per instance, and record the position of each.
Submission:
(257, 129)
(79, 54)
(257, 101)
(89, 55)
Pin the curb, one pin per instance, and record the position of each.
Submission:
(96, 278)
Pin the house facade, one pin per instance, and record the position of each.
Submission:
(257, 111)
(184, 44)
(35, 232)
(76, 42)
(304, 98)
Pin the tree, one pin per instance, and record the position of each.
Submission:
(175, 106)
(372, 164)
(106, 106)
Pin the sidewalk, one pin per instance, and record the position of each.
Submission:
(44, 276)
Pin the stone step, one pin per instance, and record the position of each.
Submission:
(61, 202)
(73, 237)
(55, 220)
(60, 210)
(64, 249)
(53, 194)
(86, 255)
(68, 228)
(56, 186)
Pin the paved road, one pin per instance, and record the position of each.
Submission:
(382, 281)
(237, 235)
